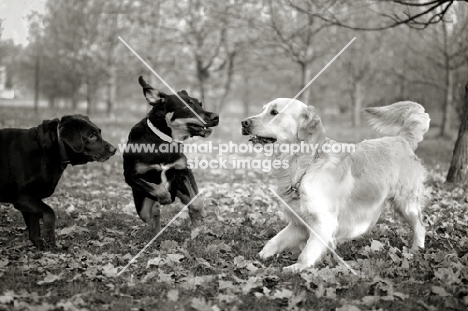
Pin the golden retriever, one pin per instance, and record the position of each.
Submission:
(341, 195)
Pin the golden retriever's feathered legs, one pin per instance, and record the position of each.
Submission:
(411, 212)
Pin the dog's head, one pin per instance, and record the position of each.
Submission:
(298, 122)
(83, 140)
(179, 118)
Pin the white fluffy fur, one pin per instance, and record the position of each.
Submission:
(343, 195)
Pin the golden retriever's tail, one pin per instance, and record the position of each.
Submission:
(406, 119)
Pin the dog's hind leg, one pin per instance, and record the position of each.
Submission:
(186, 189)
(33, 209)
(292, 237)
(410, 209)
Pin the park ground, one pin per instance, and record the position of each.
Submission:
(215, 266)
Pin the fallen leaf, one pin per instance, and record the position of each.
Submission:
(370, 300)
(72, 229)
(348, 308)
(50, 278)
(4, 263)
(252, 282)
(195, 232)
(173, 295)
(440, 291)
(109, 270)
(283, 293)
(7, 298)
(376, 246)
(175, 258)
(200, 304)
(400, 295)
(154, 262)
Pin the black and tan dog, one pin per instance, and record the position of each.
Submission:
(33, 160)
(159, 177)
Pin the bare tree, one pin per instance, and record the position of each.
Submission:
(295, 34)
(389, 13)
(446, 50)
(203, 35)
(458, 171)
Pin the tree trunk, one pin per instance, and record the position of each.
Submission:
(111, 88)
(202, 90)
(246, 97)
(202, 75)
(305, 77)
(36, 83)
(51, 101)
(447, 108)
(74, 100)
(458, 171)
(228, 82)
(401, 88)
(88, 98)
(357, 103)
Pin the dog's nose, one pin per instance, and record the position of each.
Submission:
(213, 118)
(246, 123)
(111, 148)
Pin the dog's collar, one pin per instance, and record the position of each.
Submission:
(294, 188)
(158, 133)
(63, 153)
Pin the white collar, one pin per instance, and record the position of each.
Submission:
(158, 132)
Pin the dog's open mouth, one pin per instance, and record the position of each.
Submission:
(262, 140)
(199, 130)
(100, 158)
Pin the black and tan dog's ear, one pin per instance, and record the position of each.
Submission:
(71, 135)
(183, 92)
(153, 96)
(310, 127)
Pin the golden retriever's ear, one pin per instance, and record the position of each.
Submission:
(310, 127)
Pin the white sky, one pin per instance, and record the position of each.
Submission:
(14, 15)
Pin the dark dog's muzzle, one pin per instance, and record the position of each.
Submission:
(109, 151)
(211, 119)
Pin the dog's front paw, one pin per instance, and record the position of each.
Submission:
(295, 268)
(266, 252)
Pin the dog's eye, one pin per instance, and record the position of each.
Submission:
(274, 112)
(201, 104)
(92, 136)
